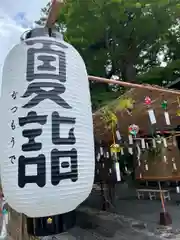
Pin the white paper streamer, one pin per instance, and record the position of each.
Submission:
(130, 150)
(174, 164)
(165, 142)
(140, 175)
(143, 143)
(174, 141)
(101, 151)
(167, 119)
(146, 167)
(118, 135)
(165, 159)
(122, 151)
(152, 116)
(138, 151)
(147, 145)
(117, 169)
(154, 143)
(107, 154)
(98, 157)
(130, 139)
(177, 189)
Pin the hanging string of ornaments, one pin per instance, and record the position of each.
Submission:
(155, 142)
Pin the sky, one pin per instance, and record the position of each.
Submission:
(16, 17)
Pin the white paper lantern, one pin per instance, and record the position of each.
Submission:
(46, 127)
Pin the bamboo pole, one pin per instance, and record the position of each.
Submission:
(132, 85)
(54, 10)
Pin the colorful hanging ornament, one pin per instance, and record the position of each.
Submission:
(115, 148)
(166, 114)
(151, 114)
(49, 220)
(147, 101)
(133, 129)
(164, 105)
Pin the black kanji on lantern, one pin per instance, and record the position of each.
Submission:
(32, 145)
(46, 63)
(56, 164)
(57, 122)
(53, 66)
(57, 157)
(38, 88)
(40, 178)
(52, 57)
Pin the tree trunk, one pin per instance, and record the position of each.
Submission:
(128, 71)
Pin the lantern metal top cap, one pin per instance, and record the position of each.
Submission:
(41, 32)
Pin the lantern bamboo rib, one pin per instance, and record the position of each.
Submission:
(132, 85)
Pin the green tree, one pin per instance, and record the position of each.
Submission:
(119, 37)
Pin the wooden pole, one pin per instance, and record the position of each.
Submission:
(132, 85)
(54, 10)
(162, 197)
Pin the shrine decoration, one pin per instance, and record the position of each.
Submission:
(133, 130)
(166, 114)
(130, 148)
(115, 149)
(148, 102)
(47, 165)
